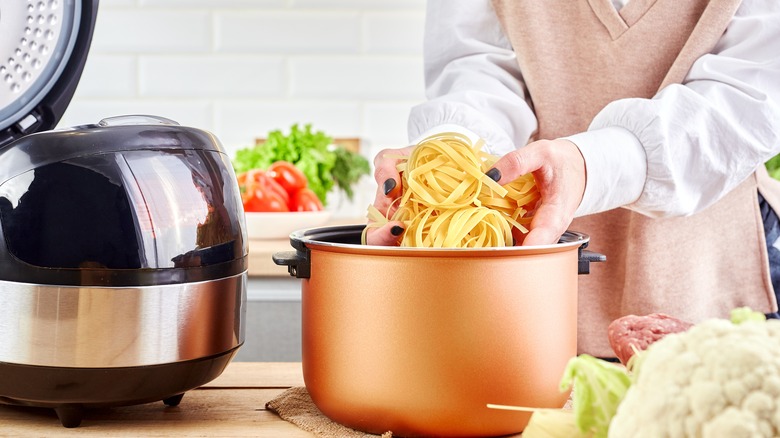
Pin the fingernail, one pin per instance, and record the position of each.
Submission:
(396, 230)
(494, 174)
(388, 186)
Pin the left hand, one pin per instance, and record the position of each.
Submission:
(559, 170)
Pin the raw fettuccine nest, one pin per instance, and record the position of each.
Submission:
(449, 202)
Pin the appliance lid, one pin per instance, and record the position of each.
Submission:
(112, 134)
(43, 49)
(130, 201)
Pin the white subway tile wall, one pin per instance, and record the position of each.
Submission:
(241, 68)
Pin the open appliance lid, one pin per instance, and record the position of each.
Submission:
(43, 49)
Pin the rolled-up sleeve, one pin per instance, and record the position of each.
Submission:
(705, 136)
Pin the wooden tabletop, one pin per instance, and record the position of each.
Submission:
(233, 405)
(261, 250)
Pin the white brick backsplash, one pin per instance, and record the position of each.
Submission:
(357, 77)
(211, 76)
(385, 124)
(394, 32)
(216, 3)
(187, 113)
(239, 123)
(360, 4)
(111, 3)
(109, 76)
(152, 31)
(288, 32)
(241, 68)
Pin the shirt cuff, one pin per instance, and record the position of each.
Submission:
(473, 138)
(615, 166)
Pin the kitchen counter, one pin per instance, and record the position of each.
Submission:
(261, 250)
(233, 405)
(260, 262)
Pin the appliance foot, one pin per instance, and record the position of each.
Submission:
(173, 400)
(70, 415)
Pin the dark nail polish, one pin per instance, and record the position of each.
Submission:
(396, 230)
(388, 185)
(494, 174)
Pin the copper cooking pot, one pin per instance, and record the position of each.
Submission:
(418, 341)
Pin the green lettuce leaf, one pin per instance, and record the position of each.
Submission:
(598, 388)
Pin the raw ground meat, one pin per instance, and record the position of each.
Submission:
(641, 331)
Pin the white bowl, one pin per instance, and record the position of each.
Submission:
(279, 225)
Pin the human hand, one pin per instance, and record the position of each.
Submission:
(559, 170)
(389, 189)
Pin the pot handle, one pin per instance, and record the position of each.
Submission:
(585, 259)
(298, 263)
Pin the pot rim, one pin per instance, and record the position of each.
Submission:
(342, 237)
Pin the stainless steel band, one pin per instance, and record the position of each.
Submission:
(116, 327)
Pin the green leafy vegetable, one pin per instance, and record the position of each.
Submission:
(599, 387)
(744, 314)
(773, 167)
(326, 166)
(347, 169)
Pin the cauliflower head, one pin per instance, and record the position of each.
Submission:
(718, 379)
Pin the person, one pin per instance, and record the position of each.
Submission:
(646, 124)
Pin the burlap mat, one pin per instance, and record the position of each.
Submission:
(295, 406)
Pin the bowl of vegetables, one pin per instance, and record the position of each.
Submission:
(278, 201)
(285, 180)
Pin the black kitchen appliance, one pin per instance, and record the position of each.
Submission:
(122, 244)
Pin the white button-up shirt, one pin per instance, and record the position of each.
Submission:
(674, 154)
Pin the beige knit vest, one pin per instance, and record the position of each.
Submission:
(576, 56)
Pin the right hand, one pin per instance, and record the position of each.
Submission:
(389, 188)
(559, 170)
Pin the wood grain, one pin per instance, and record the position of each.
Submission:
(233, 405)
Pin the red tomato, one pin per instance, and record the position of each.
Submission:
(288, 176)
(260, 193)
(265, 202)
(270, 185)
(305, 200)
(258, 179)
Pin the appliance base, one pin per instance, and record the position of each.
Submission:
(71, 391)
